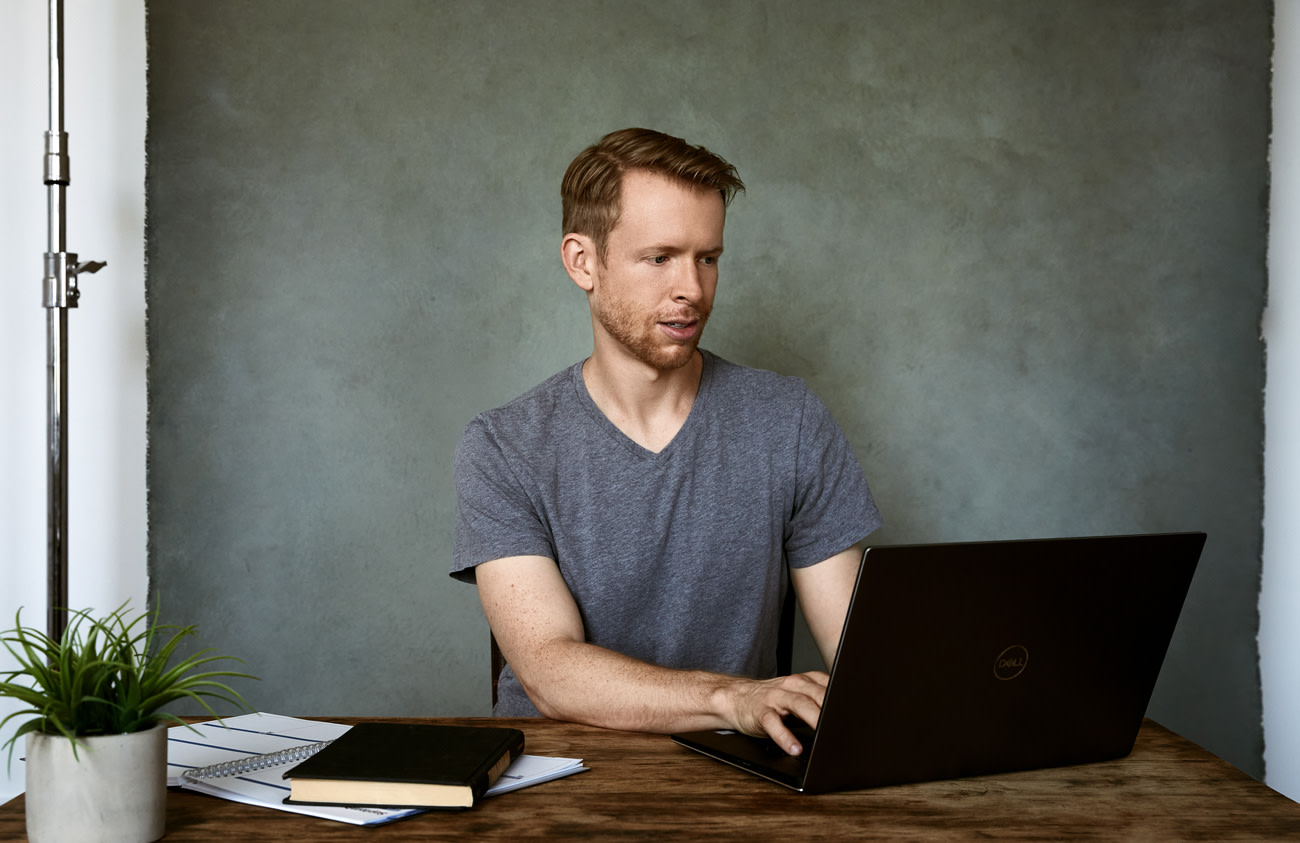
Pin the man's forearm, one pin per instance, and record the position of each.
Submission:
(588, 684)
(540, 631)
(583, 683)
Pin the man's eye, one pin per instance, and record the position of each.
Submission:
(660, 259)
(710, 261)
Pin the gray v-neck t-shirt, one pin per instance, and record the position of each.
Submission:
(677, 558)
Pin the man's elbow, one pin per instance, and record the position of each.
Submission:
(542, 676)
(548, 703)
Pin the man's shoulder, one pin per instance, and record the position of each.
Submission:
(544, 397)
(746, 383)
(526, 415)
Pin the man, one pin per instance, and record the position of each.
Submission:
(630, 521)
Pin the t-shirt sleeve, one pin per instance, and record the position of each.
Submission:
(495, 515)
(833, 507)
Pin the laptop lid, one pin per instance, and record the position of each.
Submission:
(978, 658)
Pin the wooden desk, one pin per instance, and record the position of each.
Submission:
(646, 786)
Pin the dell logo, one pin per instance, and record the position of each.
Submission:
(1011, 662)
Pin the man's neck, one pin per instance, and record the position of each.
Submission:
(648, 405)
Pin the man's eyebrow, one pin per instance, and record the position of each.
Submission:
(674, 249)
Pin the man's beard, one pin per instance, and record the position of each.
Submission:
(644, 339)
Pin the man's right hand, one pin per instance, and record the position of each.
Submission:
(759, 707)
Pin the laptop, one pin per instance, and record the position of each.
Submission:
(986, 657)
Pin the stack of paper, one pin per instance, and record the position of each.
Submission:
(190, 749)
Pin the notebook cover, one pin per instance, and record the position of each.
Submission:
(424, 753)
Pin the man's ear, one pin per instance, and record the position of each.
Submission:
(579, 255)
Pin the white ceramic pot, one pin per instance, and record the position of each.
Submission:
(115, 789)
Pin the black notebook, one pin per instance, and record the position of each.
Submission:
(406, 765)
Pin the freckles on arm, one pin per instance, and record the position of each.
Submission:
(532, 613)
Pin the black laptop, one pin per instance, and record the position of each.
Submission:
(979, 658)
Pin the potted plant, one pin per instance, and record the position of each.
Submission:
(97, 737)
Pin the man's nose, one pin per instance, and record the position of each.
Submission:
(688, 284)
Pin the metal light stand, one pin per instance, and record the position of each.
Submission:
(61, 293)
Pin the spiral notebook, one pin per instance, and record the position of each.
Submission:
(243, 759)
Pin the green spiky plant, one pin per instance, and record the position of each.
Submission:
(106, 676)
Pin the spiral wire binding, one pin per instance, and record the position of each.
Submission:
(255, 762)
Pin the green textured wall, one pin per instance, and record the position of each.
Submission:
(1017, 247)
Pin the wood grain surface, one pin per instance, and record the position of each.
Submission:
(644, 786)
